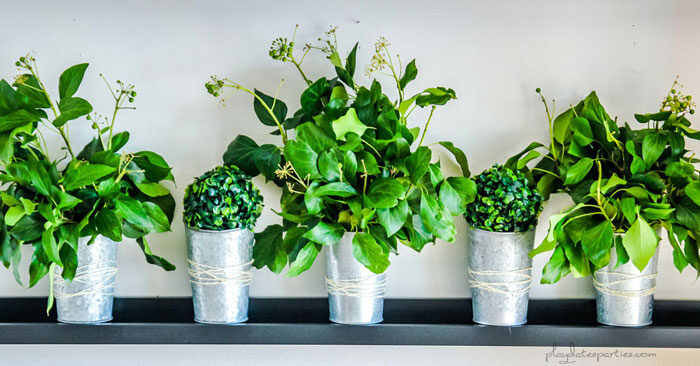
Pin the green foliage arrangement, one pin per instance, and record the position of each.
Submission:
(49, 203)
(223, 198)
(353, 165)
(626, 183)
(505, 201)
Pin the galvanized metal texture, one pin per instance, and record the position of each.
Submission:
(88, 298)
(355, 294)
(500, 275)
(219, 265)
(625, 295)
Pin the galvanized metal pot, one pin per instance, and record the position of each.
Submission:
(355, 294)
(624, 295)
(500, 276)
(219, 265)
(88, 298)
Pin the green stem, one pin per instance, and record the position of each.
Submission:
(53, 108)
(425, 129)
(283, 133)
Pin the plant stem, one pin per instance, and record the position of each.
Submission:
(35, 72)
(425, 129)
(234, 85)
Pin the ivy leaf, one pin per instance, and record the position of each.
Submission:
(596, 242)
(119, 140)
(652, 148)
(278, 108)
(340, 189)
(158, 219)
(108, 224)
(70, 80)
(311, 97)
(154, 166)
(315, 137)
(418, 163)
(435, 96)
(459, 156)
(436, 218)
(556, 268)
(85, 175)
(268, 249)
(241, 153)
(583, 135)
(368, 252)
(329, 166)
(394, 218)
(384, 193)
(325, 233)
(640, 242)
(152, 258)
(71, 108)
(133, 212)
(409, 74)
(150, 189)
(267, 159)
(578, 171)
(692, 190)
(451, 198)
(16, 119)
(303, 159)
(306, 257)
(348, 123)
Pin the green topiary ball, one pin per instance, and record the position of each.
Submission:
(221, 199)
(504, 202)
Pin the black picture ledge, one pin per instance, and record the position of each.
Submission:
(429, 322)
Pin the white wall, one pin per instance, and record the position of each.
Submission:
(494, 54)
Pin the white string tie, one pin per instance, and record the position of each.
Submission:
(606, 287)
(523, 279)
(372, 287)
(99, 278)
(203, 274)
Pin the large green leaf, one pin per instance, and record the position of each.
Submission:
(48, 242)
(368, 252)
(152, 258)
(348, 123)
(27, 229)
(652, 148)
(640, 242)
(394, 218)
(435, 96)
(303, 158)
(578, 171)
(39, 177)
(418, 163)
(597, 242)
(556, 268)
(583, 135)
(310, 99)
(340, 189)
(384, 193)
(315, 137)
(269, 250)
(108, 224)
(241, 153)
(154, 166)
(436, 218)
(692, 190)
(152, 189)
(16, 119)
(119, 140)
(71, 108)
(278, 108)
(132, 211)
(454, 197)
(85, 174)
(329, 166)
(409, 74)
(70, 80)
(304, 259)
(325, 233)
(560, 126)
(159, 220)
(267, 159)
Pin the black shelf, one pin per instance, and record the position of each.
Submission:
(305, 321)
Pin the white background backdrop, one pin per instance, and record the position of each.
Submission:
(494, 54)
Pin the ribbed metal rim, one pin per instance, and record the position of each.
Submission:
(214, 231)
(501, 232)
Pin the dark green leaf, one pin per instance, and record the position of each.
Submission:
(132, 211)
(394, 218)
(269, 250)
(306, 257)
(240, 152)
(459, 156)
(652, 148)
(119, 140)
(70, 80)
(71, 108)
(303, 159)
(85, 174)
(278, 108)
(152, 258)
(436, 218)
(556, 268)
(108, 224)
(366, 250)
(409, 74)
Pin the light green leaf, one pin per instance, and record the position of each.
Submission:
(348, 123)
(325, 233)
(640, 242)
(152, 189)
(578, 171)
(305, 258)
(85, 174)
(368, 252)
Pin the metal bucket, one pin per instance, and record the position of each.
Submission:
(88, 298)
(355, 294)
(624, 295)
(219, 266)
(500, 276)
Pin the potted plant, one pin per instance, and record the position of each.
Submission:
(502, 220)
(220, 210)
(73, 208)
(355, 177)
(627, 183)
